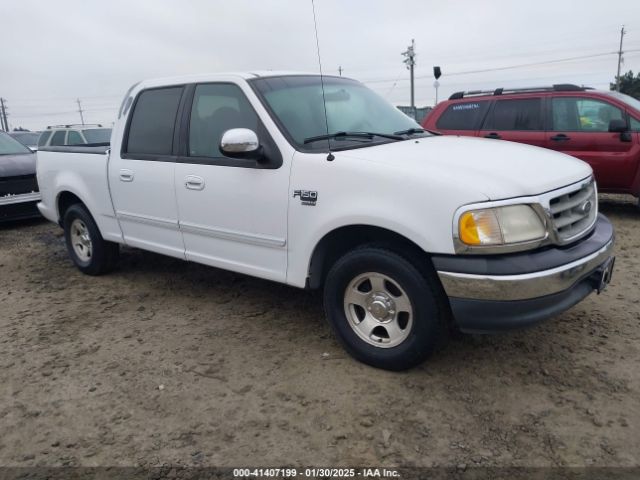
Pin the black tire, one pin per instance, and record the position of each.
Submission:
(104, 255)
(429, 327)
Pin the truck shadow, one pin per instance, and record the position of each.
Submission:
(24, 223)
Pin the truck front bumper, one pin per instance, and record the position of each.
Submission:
(504, 292)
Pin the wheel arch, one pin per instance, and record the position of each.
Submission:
(342, 239)
(64, 200)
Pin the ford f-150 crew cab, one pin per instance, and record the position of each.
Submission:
(324, 184)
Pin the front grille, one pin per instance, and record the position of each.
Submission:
(17, 185)
(574, 212)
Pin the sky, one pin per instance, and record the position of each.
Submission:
(55, 53)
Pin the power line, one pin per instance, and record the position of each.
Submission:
(69, 112)
(510, 67)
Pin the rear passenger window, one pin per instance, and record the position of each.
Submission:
(635, 124)
(74, 138)
(153, 121)
(216, 109)
(44, 136)
(522, 114)
(462, 116)
(58, 138)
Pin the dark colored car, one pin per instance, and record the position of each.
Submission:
(18, 186)
(600, 127)
(28, 139)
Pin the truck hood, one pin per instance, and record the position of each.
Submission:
(14, 165)
(495, 168)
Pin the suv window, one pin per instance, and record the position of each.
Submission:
(520, 114)
(153, 121)
(216, 109)
(74, 138)
(58, 138)
(582, 114)
(97, 135)
(42, 141)
(463, 116)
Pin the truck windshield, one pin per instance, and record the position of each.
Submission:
(97, 135)
(296, 103)
(9, 146)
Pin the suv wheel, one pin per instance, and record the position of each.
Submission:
(89, 251)
(385, 310)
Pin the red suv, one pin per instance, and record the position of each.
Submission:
(602, 128)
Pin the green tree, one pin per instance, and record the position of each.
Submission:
(629, 84)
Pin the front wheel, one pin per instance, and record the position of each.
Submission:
(91, 253)
(386, 311)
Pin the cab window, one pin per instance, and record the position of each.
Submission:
(463, 116)
(216, 109)
(153, 121)
(583, 114)
(520, 114)
(635, 124)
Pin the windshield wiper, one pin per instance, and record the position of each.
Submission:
(367, 135)
(411, 131)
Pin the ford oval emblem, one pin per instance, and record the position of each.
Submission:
(585, 208)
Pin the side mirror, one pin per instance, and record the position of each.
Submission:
(241, 143)
(618, 126)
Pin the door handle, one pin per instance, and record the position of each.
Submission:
(126, 175)
(193, 182)
(492, 135)
(561, 137)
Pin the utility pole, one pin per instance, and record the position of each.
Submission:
(340, 70)
(619, 59)
(410, 61)
(80, 111)
(3, 115)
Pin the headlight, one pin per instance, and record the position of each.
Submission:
(500, 226)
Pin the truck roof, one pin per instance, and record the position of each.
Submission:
(208, 77)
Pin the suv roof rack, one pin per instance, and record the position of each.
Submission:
(72, 125)
(560, 87)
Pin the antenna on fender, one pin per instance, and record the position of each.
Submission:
(330, 157)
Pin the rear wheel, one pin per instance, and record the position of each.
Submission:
(89, 251)
(386, 310)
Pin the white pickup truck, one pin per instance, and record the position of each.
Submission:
(324, 184)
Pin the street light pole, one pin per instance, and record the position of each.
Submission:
(437, 72)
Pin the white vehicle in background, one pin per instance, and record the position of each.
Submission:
(324, 184)
(62, 135)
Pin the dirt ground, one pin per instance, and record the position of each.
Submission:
(165, 362)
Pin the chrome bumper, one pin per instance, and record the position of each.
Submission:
(523, 286)
(20, 198)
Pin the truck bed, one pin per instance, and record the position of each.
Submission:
(80, 171)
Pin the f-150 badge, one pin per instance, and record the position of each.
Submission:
(307, 197)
